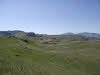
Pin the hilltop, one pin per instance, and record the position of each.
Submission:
(17, 33)
(85, 34)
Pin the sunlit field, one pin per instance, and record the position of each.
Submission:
(42, 57)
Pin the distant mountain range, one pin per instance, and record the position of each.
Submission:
(69, 33)
(18, 33)
(86, 34)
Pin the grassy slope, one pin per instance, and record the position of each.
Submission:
(64, 58)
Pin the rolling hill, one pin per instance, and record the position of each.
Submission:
(34, 57)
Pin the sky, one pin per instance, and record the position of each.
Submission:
(50, 16)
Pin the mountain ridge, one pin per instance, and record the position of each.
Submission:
(86, 34)
(19, 33)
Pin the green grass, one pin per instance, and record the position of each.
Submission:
(63, 58)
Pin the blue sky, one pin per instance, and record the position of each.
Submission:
(50, 16)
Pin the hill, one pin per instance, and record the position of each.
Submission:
(31, 35)
(34, 57)
(69, 33)
(90, 35)
(17, 33)
(86, 34)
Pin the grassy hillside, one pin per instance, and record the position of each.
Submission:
(64, 57)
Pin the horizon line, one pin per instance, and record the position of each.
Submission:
(52, 33)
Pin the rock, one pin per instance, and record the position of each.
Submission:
(17, 55)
